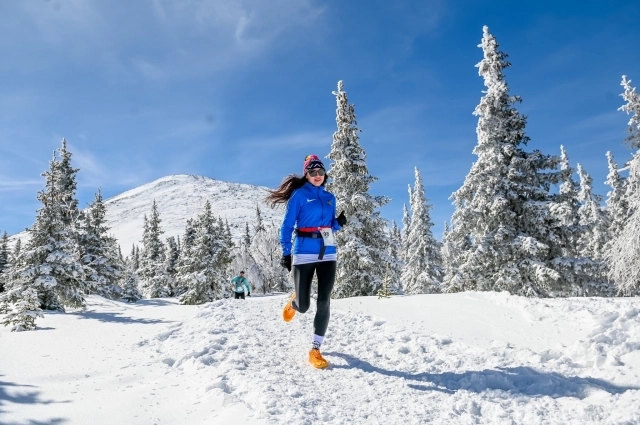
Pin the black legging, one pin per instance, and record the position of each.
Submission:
(303, 275)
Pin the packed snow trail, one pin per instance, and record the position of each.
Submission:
(383, 373)
(469, 358)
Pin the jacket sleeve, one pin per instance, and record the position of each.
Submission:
(246, 285)
(334, 221)
(288, 223)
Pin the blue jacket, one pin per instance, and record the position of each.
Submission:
(309, 206)
(241, 283)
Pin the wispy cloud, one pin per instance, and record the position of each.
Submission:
(161, 40)
(7, 184)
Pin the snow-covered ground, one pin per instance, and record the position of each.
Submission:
(469, 358)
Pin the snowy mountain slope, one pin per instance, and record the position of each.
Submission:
(468, 358)
(178, 198)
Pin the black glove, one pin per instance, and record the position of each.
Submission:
(342, 220)
(249, 294)
(285, 262)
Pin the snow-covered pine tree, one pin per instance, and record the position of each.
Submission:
(394, 271)
(152, 273)
(185, 258)
(171, 262)
(100, 252)
(422, 271)
(590, 264)
(502, 208)
(129, 282)
(265, 250)
(224, 258)
(591, 242)
(205, 273)
(246, 237)
(49, 262)
(617, 205)
(259, 226)
(623, 254)
(4, 258)
(386, 290)
(17, 248)
(23, 313)
(406, 225)
(363, 243)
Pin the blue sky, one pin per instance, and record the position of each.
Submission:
(241, 90)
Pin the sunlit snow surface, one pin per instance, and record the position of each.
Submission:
(469, 358)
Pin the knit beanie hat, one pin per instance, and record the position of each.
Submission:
(311, 161)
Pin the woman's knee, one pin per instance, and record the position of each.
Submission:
(303, 306)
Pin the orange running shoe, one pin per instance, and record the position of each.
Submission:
(316, 359)
(288, 312)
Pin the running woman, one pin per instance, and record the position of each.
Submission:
(311, 213)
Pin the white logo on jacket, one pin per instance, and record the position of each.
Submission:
(310, 200)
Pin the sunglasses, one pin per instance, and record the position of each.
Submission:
(316, 172)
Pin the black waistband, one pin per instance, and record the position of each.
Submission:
(311, 235)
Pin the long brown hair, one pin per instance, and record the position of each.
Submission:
(290, 183)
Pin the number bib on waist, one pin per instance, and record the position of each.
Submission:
(327, 236)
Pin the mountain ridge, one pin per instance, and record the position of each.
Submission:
(180, 197)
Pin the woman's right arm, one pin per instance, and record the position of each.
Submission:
(288, 223)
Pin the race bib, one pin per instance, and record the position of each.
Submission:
(327, 236)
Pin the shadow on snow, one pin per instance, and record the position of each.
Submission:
(109, 317)
(24, 394)
(516, 380)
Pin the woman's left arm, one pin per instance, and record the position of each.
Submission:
(335, 226)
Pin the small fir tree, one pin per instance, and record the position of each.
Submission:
(24, 313)
(386, 290)
(422, 272)
(130, 285)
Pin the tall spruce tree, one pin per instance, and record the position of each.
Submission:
(623, 254)
(49, 263)
(422, 272)
(4, 258)
(363, 243)
(502, 208)
(152, 273)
